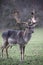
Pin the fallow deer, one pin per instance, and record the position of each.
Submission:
(20, 37)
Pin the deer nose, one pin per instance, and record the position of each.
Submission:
(32, 31)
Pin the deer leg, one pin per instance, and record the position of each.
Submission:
(2, 51)
(7, 50)
(3, 47)
(23, 51)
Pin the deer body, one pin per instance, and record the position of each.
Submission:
(20, 37)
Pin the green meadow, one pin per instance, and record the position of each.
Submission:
(33, 51)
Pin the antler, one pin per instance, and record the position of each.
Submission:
(18, 20)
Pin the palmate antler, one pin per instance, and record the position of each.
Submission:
(18, 20)
(16, 15)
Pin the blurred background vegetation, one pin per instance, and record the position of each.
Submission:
(25, 7)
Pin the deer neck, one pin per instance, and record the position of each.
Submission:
(26, 35)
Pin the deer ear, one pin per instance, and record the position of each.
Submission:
(32, 13)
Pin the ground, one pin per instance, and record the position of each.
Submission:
(33, 51)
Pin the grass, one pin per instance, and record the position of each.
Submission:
(33, 51)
